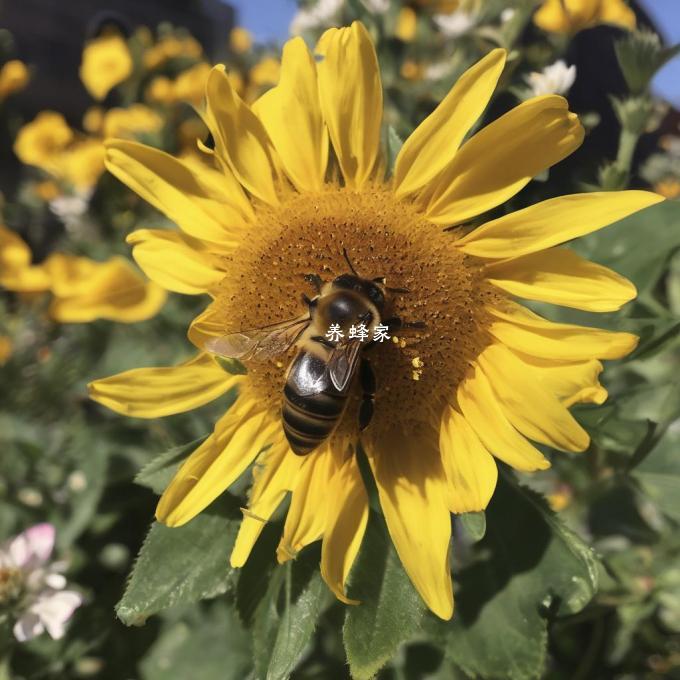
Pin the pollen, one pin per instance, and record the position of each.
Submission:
(440, 287)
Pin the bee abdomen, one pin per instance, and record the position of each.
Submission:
(308, 420)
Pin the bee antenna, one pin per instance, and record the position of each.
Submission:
(349, 262)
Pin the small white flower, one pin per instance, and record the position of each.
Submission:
(377, 6)
(72, 209)
(455, 24)
(324, 13)
(32, 587)
(554, 79)
(507, 14)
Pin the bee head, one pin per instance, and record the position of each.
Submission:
(373, 290)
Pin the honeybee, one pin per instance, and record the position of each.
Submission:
(319, 377)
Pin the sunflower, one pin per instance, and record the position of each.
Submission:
(294, 180)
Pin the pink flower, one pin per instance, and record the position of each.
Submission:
(33, 587)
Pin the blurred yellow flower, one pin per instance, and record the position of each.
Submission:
(133, 120)
(82, 290)
(262, 210)
(14, 76)
(172, 47)
(265, 72)
(81, 165)
(412, 70)
(561, 498)
(39, 141)
(571, 16)
(106, 62)
(161, 90)
(670, 188)
(407, 22)
(190, 84)
(93, 120)
(47, 190)
(240, 40)
(5, 349)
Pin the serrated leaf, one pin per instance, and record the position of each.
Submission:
(299, 618)
(474, 524)
(391, 611)
(158, 473)
(181, 565)
(286, 616)
(529, 567)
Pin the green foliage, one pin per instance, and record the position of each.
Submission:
(182, 565)
(390, 613)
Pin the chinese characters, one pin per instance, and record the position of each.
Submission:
(359, 332)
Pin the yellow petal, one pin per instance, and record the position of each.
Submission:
(306, 518)
(207, 325)
(111, 290)
(552, 222)
(241, 142)
(155, 392)
(274, 474)
(216, 464)
(174, 261)
(176, 189)
(345, 526)
(502, 158)
(434, 142)
(618, 13)
(572, 382)
(560, 276)
(522, 330)
(484, 414)
(533, 410)
(351, 98)
(414, 498)
(291, 115)
(470, 469)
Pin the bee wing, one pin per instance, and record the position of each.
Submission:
(259, 344)
(342, 363)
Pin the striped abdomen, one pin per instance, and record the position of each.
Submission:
(312, 405)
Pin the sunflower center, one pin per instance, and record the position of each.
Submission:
(417, 370)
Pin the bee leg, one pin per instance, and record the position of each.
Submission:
(315, 280)
(367, 378)
(310, 302)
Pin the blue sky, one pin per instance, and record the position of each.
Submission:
(269, 20)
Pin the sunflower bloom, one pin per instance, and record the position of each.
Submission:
(290, 183)
(572, 16)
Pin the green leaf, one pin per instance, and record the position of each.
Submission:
(474, 524)
(286, 617)
(529, 567)
(157, 474)
(209, 644)
(391, 611)
(393, 144)
(659, 474)
(637, 247)
(181, 565)
(301, 612)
